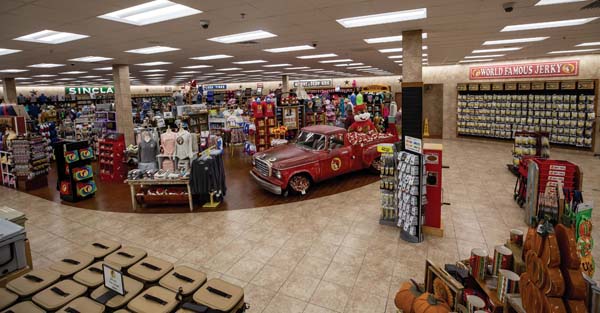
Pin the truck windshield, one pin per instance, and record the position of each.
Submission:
(311, 141)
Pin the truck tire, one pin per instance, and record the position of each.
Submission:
(376, 165)
(300, 183)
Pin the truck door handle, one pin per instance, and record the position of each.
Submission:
(345, 152)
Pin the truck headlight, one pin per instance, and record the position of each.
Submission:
(277, 174)
(253, 162)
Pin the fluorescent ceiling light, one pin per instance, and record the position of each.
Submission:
(254, 35)
(553, 24)
(587, 44)
(277, 65)
(150, 13)
(389, 39)
(12, 70)
(89, 76)
(317, 56)
(237, 74)
(395, 56)
(297, 68)
(73, 72)
(44, 75)
(22, 78)
(250, 62)
(397, 49)
(152, 50)
(197, 66)
(400, 61)
(109, 68)
(497, 50)
(212, 57)
(573, 51)
(46, 65)
(359, 67)
(8, 51)
(275, 72)
(91, 59)
(51, 37)
(188, 72)
(157, 63)
(384, 18)
(253, 71)
(289, 49)
(475, 61)
(65, 79)
(511, 41)
(355, 64)
(154, 71)
(484, 56)
(154, 75)
(313, 70)
(550, 2)
(336, 61)
(229, 69)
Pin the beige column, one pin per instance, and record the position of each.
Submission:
(10, 90)
(123, 101)
(412, 54)
(285, 84)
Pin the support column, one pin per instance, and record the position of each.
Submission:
(10, 90)
(123, 101)
(285, 84)
(412, 84)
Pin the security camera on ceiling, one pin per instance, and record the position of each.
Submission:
(508, 7)
(205, 24)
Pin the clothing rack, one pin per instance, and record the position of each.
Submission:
(211, 179)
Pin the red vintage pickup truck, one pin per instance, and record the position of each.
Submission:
(320, 152)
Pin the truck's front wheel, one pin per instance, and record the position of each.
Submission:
(300, 183)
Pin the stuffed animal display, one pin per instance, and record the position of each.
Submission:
(362, 120)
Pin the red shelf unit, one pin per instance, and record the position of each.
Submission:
(263, 133)
(111, 153)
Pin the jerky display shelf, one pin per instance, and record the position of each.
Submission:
(30, 161)
(111, 157)
(412, 195)
(566, 110)
(73, 165)
(388, 184)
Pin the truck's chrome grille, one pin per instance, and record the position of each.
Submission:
(262, 167)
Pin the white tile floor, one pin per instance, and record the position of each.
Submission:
(317, 256)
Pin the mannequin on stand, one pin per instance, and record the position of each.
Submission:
(183, 149)
(147, 152)
(168, 142)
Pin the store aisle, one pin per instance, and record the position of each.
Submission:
(321, 255)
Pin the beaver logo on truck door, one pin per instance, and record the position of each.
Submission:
(336, 164)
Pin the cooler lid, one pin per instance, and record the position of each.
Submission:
(25, 307)
(7, 298)
(154, 300)
(184, 277)
(9, 230)
(32, 282)
(150, 269)
(59, 294)
(219, 294)
(101, 248)
(72, 264)
(91, 276)
(83, 305)
(132, 288)
(10, 214)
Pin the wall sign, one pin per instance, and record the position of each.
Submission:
(314, 83)
(213, 87)
(525, 70)
(89, 90)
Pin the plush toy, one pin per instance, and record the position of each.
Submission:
(362, 121)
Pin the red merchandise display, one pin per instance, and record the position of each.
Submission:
(257, 109)
(433, 208)
(111, 156)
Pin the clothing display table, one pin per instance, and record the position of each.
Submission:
(154, 182)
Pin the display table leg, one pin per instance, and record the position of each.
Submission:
(190, 198)
(133, 202)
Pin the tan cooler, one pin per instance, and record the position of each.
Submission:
(154, 300)
(82, 305)
(24, 307)
(125, 257)
(150, 269)
(184, 277)
(90, 276)
(72, 264)
(132, 288)
(32, 282)
(220, 295)
(59, 294)
(13, 215)
(101, 248)
(7, 298)
(122, 311)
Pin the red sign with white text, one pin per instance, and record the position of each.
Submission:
(525, 70)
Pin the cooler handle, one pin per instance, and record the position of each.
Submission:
(59, 292)
(95, 270)
(125, 254)
(218, 292)
(33, 278)
(71, 261)
(99, 245)
(155, 299)
(151, 266)
(183, 277)
(71, 310)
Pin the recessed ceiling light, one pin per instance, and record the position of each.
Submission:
(511, 41)
(73, 72)
(8, 51)
(277, 65)
(497, 50)
(150, 13)
(355, 64)
(550, 2)
(553, 24)
(384, 18)
(574, 51)
(248, 36)
(389, 39)
(587, 44)
(317, 56)
(475, 61)
(297, 68)
(51, 37)
(395, 56)
(12, 70)
(237, 74)
(250, 62)
(289, 49)
(157, 63)
(484, 56)
(91, 59)
(336, 61)
(253, 71)
(212, 57)
(103, 68)
(229, 69)
(152, 50)
(46, 65)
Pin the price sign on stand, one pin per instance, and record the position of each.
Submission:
(385, 148)
(413, 144)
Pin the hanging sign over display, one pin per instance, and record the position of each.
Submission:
(314, 83)
(89, 90)
(525, 70)
(213, 87)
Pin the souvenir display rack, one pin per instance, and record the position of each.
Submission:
(388, 185)
(197, 122)
(73, 165)
(111, 156)
(6, 165)
(105, 122)
(564, 109)
(412, 195)
(264, 134)
(294, 121)
(30, 161)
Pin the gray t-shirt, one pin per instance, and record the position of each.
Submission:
(147, 151)
(178, 99)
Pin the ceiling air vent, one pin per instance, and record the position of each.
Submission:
(593, 5)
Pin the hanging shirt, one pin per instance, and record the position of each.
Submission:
(183, 149)
(168, 142)
(353, 99)
(147, 151)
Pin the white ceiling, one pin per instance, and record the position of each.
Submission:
(455, 28)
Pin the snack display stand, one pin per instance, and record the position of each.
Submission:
(75, 175)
